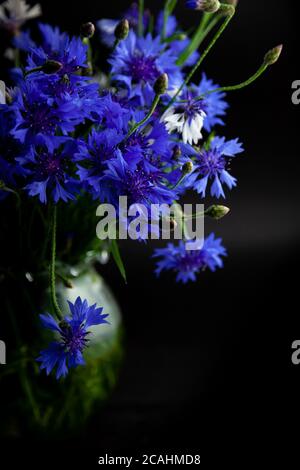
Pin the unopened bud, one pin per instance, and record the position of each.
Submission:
(122, 30)
(232, 2)
(2, 184)
(173, 224)
(187, 168)
(161, 84)
(87, 30)
(208, 6)
(217, 212)
(176, 152)
(51, 66)
(273, 55)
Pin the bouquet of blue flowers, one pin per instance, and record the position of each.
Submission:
(73, 136)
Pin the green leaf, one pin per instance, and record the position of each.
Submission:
(170, 6)
(118, 260)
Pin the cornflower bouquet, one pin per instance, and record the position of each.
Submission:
(73, 136)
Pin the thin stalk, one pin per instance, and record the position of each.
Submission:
(141, 18)
(56, 307)
(207, 23)
(239, 86)
(206, 52)
(168, 10)
(146, 118)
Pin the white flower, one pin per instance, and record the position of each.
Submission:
(14, 13)
(186, 119)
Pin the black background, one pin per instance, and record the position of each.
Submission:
(208, 366)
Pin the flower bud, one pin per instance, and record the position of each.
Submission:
(176, 153)
(51, 66)
(232, 2)
(87, 30)
(273, 55)
(207, 6)
(2, 184)
(217, 212)
(187, 168)
(122, 30)
(161, 84)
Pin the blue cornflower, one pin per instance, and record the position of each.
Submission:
(49, 168)
(138, 62)
(140, 186)
(37, 114)
(149, 144)
(73, 337)
(186, 264)
(214, 103)
(93, 155)
(113, 113)
(212, 164)
(70, 52)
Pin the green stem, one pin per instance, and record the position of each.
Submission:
(141, 18)
(87, 42)
(56, 307)
(205, 26)
(146, 118)
(231, 12)
(239, 86)
(168, 10)
(35, 69)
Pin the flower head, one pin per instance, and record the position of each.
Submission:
(140, 185)
(186, 264)
(73, 337)
(190, 115)
(208, 6)
(138, 62)
(14, 13)
(212, 165)
(49, 170)
(186, 118)
(93, 156)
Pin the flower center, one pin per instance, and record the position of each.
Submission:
(39, 118)
(138, 185)
(191, 108)
(51, 165)
(74, 338)
(191, 261)
(211, 163)
(143, 68)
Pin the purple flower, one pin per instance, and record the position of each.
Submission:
(141, 186)
(186, 264)
(212, 165)
(49, 168)
(73, 337)
(93, 155)
(138, 62)
(37, 114)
